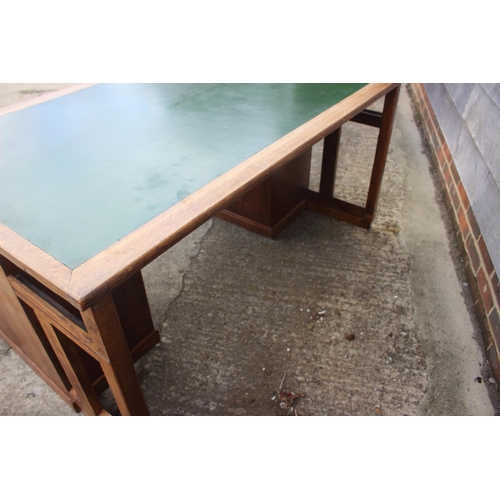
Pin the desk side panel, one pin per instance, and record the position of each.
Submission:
(18, 332)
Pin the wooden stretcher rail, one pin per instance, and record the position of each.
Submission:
(369, 117)
(338, 209)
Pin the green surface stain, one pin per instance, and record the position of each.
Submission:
(156, 180)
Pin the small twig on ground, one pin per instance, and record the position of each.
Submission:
(286, 399)
(282, 381)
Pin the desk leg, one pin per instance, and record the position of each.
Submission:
(329, 164)
(103, 325)
(324, 201)
(390, 103)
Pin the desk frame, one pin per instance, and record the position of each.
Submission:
(91, 288)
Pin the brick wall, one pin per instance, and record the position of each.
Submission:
(482, 276)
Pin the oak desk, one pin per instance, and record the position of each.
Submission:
(99, 180)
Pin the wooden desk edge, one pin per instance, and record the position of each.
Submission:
(97, 276)
(37, 263)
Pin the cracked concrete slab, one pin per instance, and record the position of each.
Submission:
(361, 322)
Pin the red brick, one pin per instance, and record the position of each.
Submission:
(447, 152)
(463, 195)
(447, 175)
(462, 222)
(473, 223)
(454, 172)
(488, 265)
(435, 140)
(473, 253)
(442, 140)
(442, 182)
(430, 120)
(446, 168)
(455, 198)
(440, 155)
(425, 116)
(425, 97)
(485, 291)
(421, 89)
(428, 131)
(433, 118)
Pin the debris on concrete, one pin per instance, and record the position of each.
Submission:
(286, 399)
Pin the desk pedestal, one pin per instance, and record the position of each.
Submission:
(271, 205)
(24, 326)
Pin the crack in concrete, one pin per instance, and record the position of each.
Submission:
(164, 277)
(197, 245)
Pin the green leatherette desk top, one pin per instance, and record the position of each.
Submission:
(80, 172)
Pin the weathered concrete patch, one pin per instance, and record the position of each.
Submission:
(252, 309)
(249, 303)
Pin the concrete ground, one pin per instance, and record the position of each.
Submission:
(353, 322)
